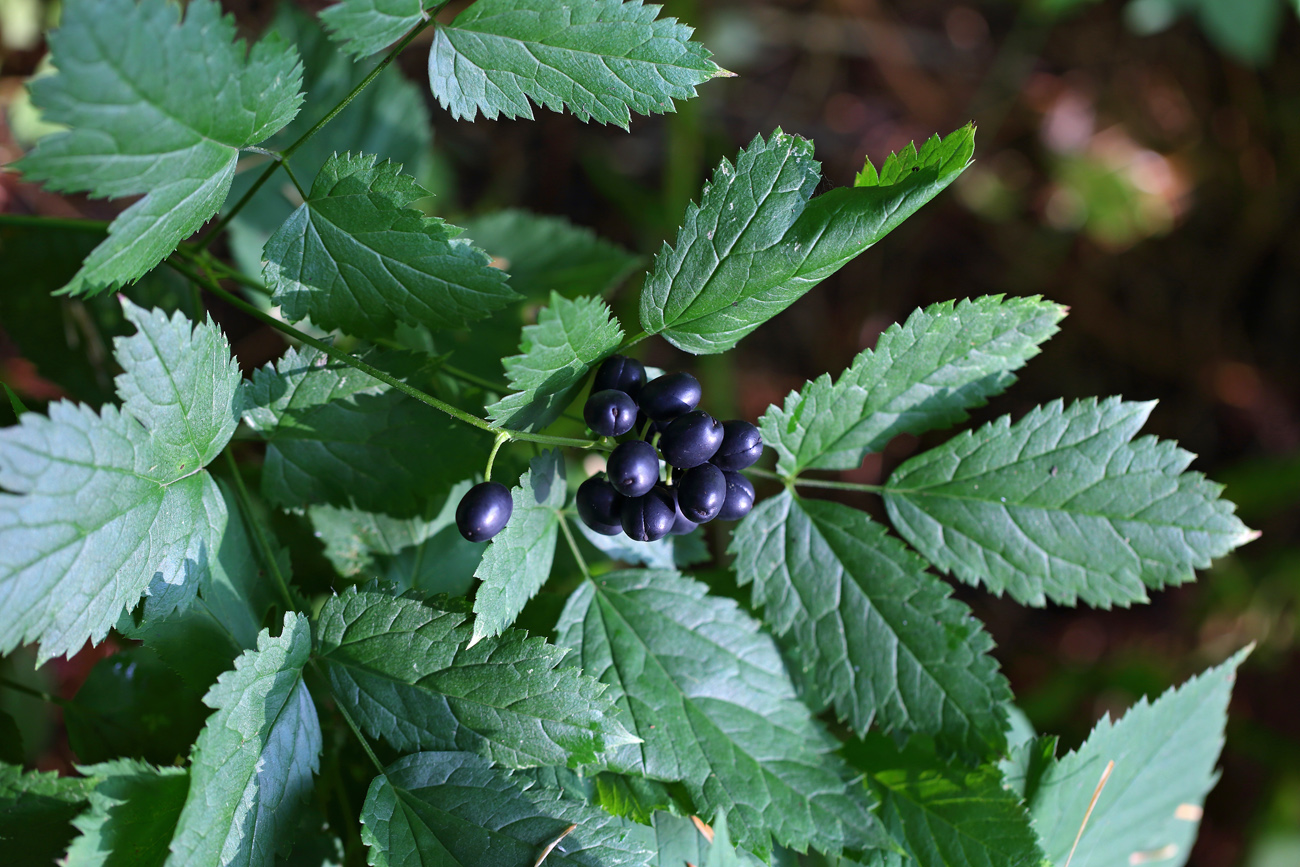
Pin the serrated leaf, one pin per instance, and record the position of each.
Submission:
(108, 506)
(452, 808)
(600, 59)
(518, 561)
(922, 375)
(410, 675)
(875, 633)
(1149, 810)
(132, 815)
(356, 257)
(709, 696)
(1062, 506)
(366, 26)
(337, 436)
(36, 812)
(758, 241)
(253, 763)
(199, 94)
(555, 355)
(676, 841)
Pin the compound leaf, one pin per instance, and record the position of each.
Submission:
(355, 257)
(556, 353)
(254, 760)
(159, 102)
(598, 58)
(922, 375)
(710, 698)
(132, 815)
(1164, 754)
(36, 812)
(1062, 506)
(452, 808)
(518, 561)
(109, 505)
(366, 26)
(409, 675)
(875, 633)
(758, 241)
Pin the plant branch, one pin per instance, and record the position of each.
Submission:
(53, 222)
(246, 503)
(801, 482)
(34, 693)
(352, 724)
(573, 546)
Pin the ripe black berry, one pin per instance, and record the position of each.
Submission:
(600, 506)
(681, 524)
(649, 518)
(668, 396)
(620, 372)
(691, 439)
(742, 445)
(701, 492)
(633, 468)
(740, 497)
(484, 511)
(610, 413)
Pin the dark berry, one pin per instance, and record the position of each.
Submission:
(691, 439)
(483, 511)
(701, 493)
(620, 372)
(633, 468)
(649, 518)
(742, 445)
(681, 524)
(668, 396)
(610, 413)
(600, 506)
(740, 497)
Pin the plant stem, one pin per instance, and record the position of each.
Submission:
(246, 503)
(573, 546)
(53, 222)
(801, 482)
(473, 379)
(34, 693)
(294, 178)
(365, 744)
(496, 446)
(633, 341)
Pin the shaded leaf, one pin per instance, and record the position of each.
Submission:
(36, 812)
(366, 26)
(133, 812)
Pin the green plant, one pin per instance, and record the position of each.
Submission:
(395, 696)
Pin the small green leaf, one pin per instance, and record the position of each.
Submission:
(597, 58)
(556, 353)
(356, 257)
(15, 402)
(36, 812)
(1062, 506)
(132, 815)
(518, 561)
(366, 26)
(167, 122)
(409, 675)
(922, 375)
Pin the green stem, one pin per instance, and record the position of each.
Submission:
(573, 546)
(352, 724)
(633, 341)
(294, 179)
(34, 693)
(496, 447)
(268, 553)
(801, 482)
(473, 379)
(53, 222)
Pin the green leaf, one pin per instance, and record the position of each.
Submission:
(366, 26)
(452, 808)
(635, 798)
(676, 841)
(1164, 754)
(756, 242)
(356, 257)
(36, 812)
(1062, 506)
(922, 375)
(336, 436)
(874, 632)
(556, 353)
(409, 675)
(108, 506)
(709, 696)
(597, 58)
(11, 740)
(200, 95)
(253, 763)
(132, 815)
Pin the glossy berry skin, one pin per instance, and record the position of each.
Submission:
(600, 506)
(668, 396)
(484, 511)
(742, 446)
(740, 497)
(610, 413)
(633, 468)
(620, 373)
(681, 524)
(701, 492)
(691, 439)
(649, 518)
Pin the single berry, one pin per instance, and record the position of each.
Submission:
(633, 468)
(740, 497)
(691, 439)
(701, 492)
(484, 511)
(681, 524)
(649, 518)
(610, 413)
(600, 506)
(742, 445)
(668, 396)
(621, 373)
